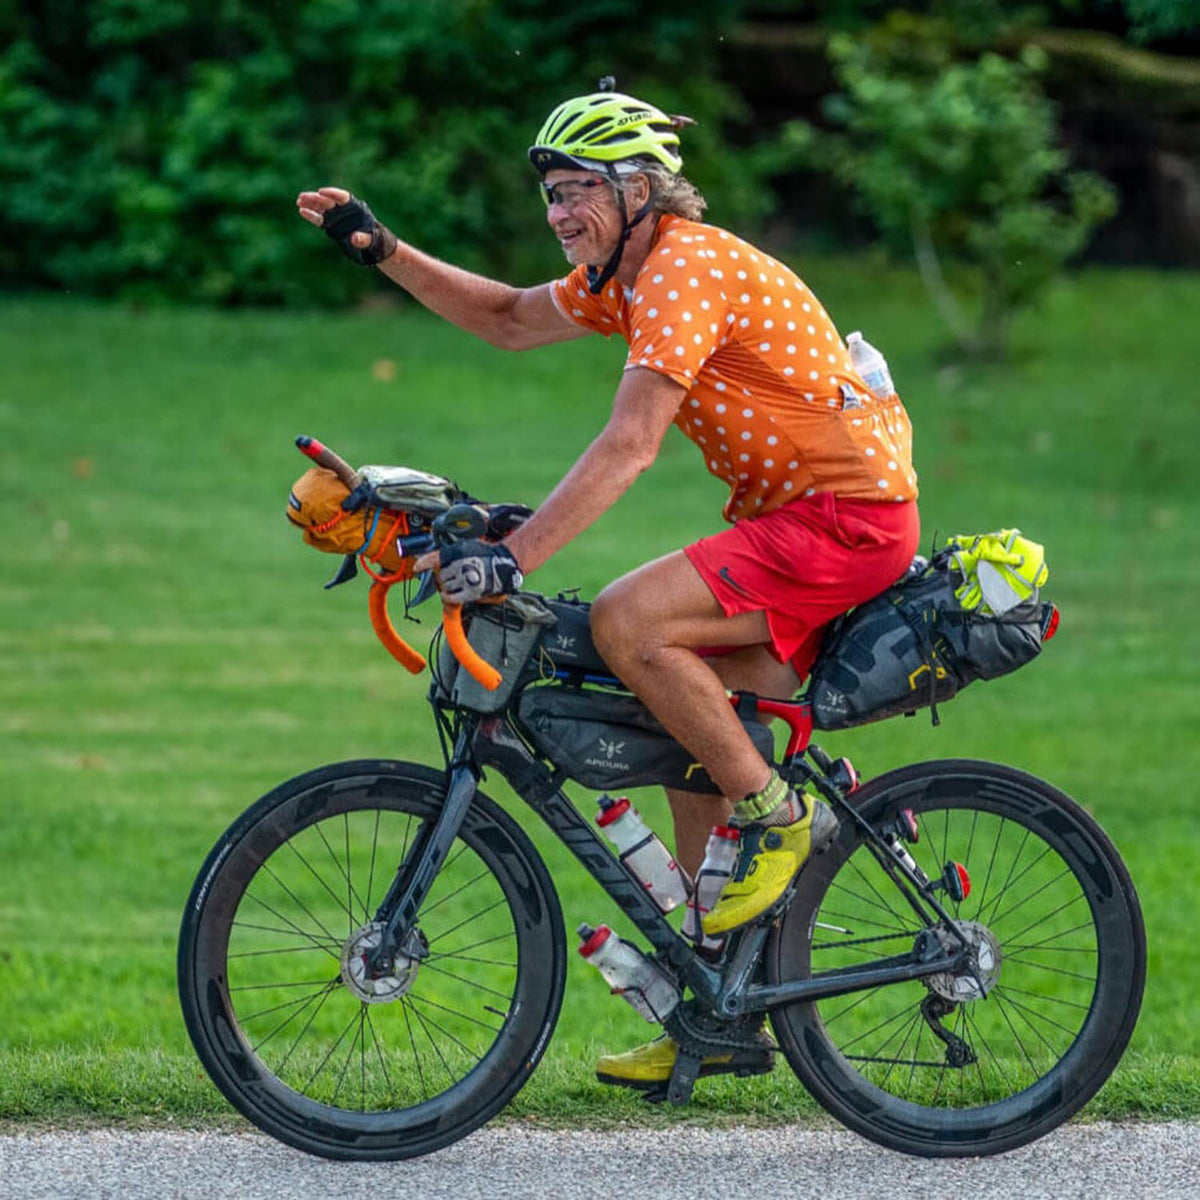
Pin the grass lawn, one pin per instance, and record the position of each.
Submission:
(168, 653)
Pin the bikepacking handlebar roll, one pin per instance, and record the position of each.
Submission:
(411, 660)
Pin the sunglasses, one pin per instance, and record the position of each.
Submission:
(571, 193)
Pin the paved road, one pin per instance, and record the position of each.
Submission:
(1129, 1161)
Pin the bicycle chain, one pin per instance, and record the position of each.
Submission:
(692, 1037)
(885, 937)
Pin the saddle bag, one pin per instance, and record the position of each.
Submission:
(609, 740)
(922, 641)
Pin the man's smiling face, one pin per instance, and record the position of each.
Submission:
(584, 215)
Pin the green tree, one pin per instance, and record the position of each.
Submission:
(153, 147)
(954, 157)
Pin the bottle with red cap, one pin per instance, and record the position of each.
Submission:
(720, 857)
(630, 974)
(643, 852)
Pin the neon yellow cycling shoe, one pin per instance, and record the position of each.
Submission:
(649, 1065)
(767, 864)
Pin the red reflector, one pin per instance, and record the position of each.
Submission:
(963, 878)
(1051, 625)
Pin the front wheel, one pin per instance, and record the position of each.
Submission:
(275, 996)
(994, 1057)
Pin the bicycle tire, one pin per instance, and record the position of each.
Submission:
(1065, 940)
(288, 1027)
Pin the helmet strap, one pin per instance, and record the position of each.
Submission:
(597, 278)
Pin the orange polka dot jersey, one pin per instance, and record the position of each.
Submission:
(772, 399)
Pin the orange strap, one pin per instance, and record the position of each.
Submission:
(478, 668)
(385, 631)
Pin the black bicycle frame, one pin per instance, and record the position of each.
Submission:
(727, 991)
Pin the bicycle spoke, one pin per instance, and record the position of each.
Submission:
(1009, 885)
(333, 951)
(342, 904)
(482, 913)
(1041, 920)
(916, 1020)
(862, 999)
(1046, 999)
(328, 1054)
(371, 868)
(377, 1042)
(332, 941)
(857, 918)
(883, 903)
(425, 1021)
(900, 1016)
(298, 902)
(302, 1001)
(1025, 1012)
(1037, 966)
(987, 879)
(505, 996)
(462, 1016)
(987, 911)
(349, 1055)
(271, 987)
(404, 1007)
(1045, 943)
(457, 891)
(307, 1026)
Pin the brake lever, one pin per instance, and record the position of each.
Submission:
(426, 588)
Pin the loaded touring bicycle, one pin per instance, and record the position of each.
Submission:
(373, 956)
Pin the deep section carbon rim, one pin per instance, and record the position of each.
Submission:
(995, 1055)
(286, 1017)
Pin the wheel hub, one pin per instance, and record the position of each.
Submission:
(381, 990)
(976, 978)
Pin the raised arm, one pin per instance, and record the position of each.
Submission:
(508, 317)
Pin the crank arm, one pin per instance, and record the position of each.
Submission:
(398, 912)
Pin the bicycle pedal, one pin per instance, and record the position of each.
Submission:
(683, 1078)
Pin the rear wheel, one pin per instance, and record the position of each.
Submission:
(994, 1057)
(271, 966)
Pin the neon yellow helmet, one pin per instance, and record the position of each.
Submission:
(597, 131)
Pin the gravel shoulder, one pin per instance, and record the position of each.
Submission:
(1103, 1159)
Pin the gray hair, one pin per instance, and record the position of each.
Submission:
(669, 193)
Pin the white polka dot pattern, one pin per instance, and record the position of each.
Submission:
(793, 432)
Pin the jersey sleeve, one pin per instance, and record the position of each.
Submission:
(680, 314)
(573, 299)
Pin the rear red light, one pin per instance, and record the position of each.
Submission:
(963, 878)
(1050, 624)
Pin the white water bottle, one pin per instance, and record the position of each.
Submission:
(630, 974)
(641, 850)
(870, 366)
(720, 857)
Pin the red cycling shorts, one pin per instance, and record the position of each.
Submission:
(806, 563)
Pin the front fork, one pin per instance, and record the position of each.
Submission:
(398, 911)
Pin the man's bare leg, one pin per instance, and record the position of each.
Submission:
(646, 625)
(694, 814)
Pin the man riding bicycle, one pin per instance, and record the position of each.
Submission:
(731, 346)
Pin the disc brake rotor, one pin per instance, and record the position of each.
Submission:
(386, 988)
(986, 959)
